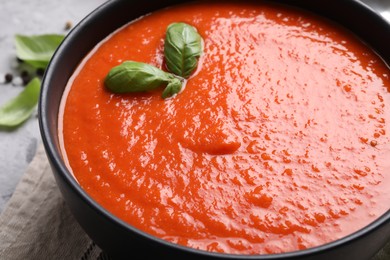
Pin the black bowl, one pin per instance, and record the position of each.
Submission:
(122, 240)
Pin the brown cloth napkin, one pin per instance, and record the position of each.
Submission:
(37, 224)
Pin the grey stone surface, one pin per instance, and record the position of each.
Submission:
(18, 147)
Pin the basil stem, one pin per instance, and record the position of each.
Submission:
(172, 88)
(182, 49)
(20, 108)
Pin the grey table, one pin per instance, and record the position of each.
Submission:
(17, 148)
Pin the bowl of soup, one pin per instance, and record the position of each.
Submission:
(275, 145)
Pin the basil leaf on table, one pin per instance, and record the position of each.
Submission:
(182, 49)
(20, 108)
(37, 50)
(132, 76)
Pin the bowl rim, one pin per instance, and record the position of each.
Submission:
(56, 160)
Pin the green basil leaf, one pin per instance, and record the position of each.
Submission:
(132, 76)
(172, 88)
(20, 108)
(182, 49)
(37, 50)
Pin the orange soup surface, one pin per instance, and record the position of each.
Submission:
(278, 142)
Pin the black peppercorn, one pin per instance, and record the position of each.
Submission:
(25, 77)
(24, 73)
(40, 72)
(8, 77)
(26, 80)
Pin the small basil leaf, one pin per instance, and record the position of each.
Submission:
(132, 76)
(19, 109)
(37, 50)
(182, 49)
(172, 88)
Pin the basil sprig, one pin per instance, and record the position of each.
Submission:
(182, 49)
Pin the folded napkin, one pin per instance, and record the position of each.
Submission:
(37, 224)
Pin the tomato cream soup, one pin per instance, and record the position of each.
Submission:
(278, 142)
